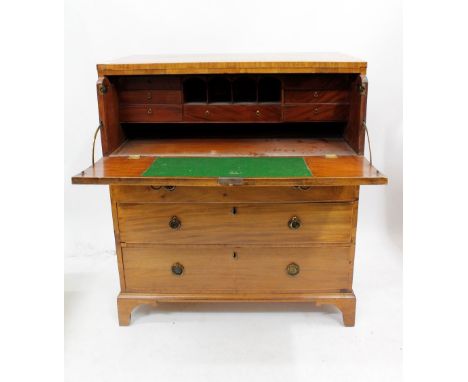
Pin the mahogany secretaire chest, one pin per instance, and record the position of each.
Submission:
(234, 178)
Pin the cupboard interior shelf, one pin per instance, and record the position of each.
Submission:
(212, 147)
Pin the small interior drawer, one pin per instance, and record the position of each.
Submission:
(232, 113)
(150, 113)
(317, 82)
(189, 269)
(316, 96)
(149, 82)
(150, 96)
(316, 112)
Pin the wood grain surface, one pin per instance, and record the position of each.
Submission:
(316, 96)
(344, 300)
(149, 194)
(235, 269)
(233, 147)
(150, 96)
(316, 112)
(232, 113)
(250, 223)
(150, 113)
(234, 63)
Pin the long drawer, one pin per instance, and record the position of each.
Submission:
(191, 269)
(232, 113)
(170, 194)
(227, 223)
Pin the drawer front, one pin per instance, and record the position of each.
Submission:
(318, 82)
(149, 194)
(273, 269)
(150, 113)
(150, 96)
(316, 112)
(232, 113)
(191, 269)
(149, 82)
(242, 223)
(150, 269)
(316, 96)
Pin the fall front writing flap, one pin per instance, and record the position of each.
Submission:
(250, 171)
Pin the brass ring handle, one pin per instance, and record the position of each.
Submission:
(316, 110)
(257, 113)
(150, 111)
(168, 188)
(294, 223)
(316, 94)
(292, 269)
(175, 222)
(177, 269)
(149, 95)
(207, 113)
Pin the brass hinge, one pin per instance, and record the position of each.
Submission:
(362, 89)
(102, 89)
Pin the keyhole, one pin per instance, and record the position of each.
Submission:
(234, 210)
(234, 255)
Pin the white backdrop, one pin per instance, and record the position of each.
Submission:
(221, 342)
(98, 31)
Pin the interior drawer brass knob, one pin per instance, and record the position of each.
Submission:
(177, 269)
(292, 269)
(294, 223)
(175, 223)
(207, 113)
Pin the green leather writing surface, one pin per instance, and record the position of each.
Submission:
(239, 167)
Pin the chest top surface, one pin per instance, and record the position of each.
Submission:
(234, 63)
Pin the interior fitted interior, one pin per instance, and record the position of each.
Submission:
(240, 98)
